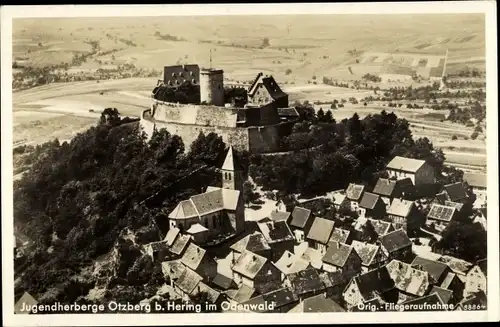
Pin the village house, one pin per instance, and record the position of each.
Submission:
(335, 283)
(187, 283)
(478, 183)
(371, 205)
(318, 303)
(440, 216)
(180, 245)
(219, 211)
(396, 245)
(198, 233)
(279, 237)
(455, 285)
(319, 234)
(410, 282)
(372, 256)
(354, 194)
(444, 294)
(419, 171)
(283, 300)
(389, 189)
(240, 295)
(305, 283)
(369, 230)
(256, 272)
(376, 283)
(25, 300)
(476, 279)
(277, 215)
(458, 266)
(300, 223)
(380, 227)
(223, 282)
(255, 243)
(158, 251)
(290, 263)
(341, 236)
(198, 260)
(172, 270)
(342, 257)
(437, 270)
(456, 192)
(477, 301)
(403, 213)
(339, 200)
(171, 236)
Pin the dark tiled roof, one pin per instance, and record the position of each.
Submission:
(365, 251)
(208, 202)
(242, 294)
(332, 279)
(212, 294)
(374, 283)
(275, 231)
(384, 187)
(339, 235)
(158, 246)
(223, 282)
(300, 217)
(395, 240)
(381, 227)
(185, 209)
(435, 269)
(288, 112)
(441, 212)
(249, 264)
(321, 230)
(456, 191)
(281, 297)
(369, 200)
(354, 192)
(173, 268)
(255, 242)
(408, 279)
(306, 281)
(188, 280)
(443, 293)
(441, 198)
(273, 88)
(180, 244)
(318, 303)
(337, 254)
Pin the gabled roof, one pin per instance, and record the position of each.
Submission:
(275, 231)
(306, 281)
(338, 197)
(280, 215)
(171, 236)
(280, 297)
(173, 268)
(229, 197)
(212, 294)
(354, 192)
(476, 180)
(314, 257)
(27, 300)
(400, 208)
(337, 254)
(180, 244)
(366, 251)
(441, 197)
(435, 269)
(405, 164)
(269, 83)
(249, 264)
(188, 281)
(318, 303)
(445, 294)
(300, 216)
(157, 246)
(369, 200)
(428, 301)
(321, 230)
(456, 191)
(448, 280)
(441, 212)
(223, 282)
(193, 256)
(408, 279)
(232, 162)
(254, 243)
(339, 235)
(332, 279)
(395, 240)
(242, 294)
(381, 227)
(384, 187)
(456, 205)
(290, 263)
(185, 209)
(196, 229)
(374, 283)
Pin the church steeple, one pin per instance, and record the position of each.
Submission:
(232, 172)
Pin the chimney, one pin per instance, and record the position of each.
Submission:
(254, 258)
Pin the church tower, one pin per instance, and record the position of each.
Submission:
(232, 172)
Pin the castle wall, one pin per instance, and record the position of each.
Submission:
(212, 87)
(194, 114)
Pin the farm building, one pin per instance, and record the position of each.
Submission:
(419, 171)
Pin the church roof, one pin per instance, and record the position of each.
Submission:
(231, 162)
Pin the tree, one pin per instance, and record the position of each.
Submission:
(207, 148)
(464, 241)
(320, 115)
(474, 135)
(110, 116)
(248, 192)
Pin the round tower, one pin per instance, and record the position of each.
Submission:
(212, 86)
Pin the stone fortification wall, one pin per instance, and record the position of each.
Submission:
(195, 114)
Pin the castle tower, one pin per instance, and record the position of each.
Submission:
(212, 86)
(232, 172)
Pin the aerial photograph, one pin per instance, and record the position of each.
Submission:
(249, 164)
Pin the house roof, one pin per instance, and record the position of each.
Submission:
(384, 187)
(441, 212)
(173, 269)
(476, 180)
(171, 236)
(456, 205)
(477, 299)
(242, 294)
(208, 202)
(290, 263)
(443, 293)
(249, 264)
(332, 279)
(374, 283)
(188, 281)
(280, 297)
(483, 265)
(26, 299)
(458, 266)
(395, 240)
(288, 112)
(314, 257)
(400, 208)
(306, 281)
(212, 294)
(369, 200)
(280, 215)
(339, 235)
(381, 227)
(232, 162)
(300, 216)
(229, 197)
(223, 282)
(366, 251)
(337, 254)
(318, 303)
(441, 197)
(338, 197)
(448, 280)
(254, 243)
(275, 231)
(405, 164)
(272, 87)
(408, 279)
(193, 256)
(158, 246)
(430, 299)
(435, 269)
(354, 191)
(184, 209)
(321, 230)
(180, 244)
(456, 191)
(196, 229)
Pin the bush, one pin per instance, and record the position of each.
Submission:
(454, 137)
(474, 135)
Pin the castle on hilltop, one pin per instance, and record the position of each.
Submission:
(257, 127)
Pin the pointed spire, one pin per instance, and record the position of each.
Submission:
(230, 161)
